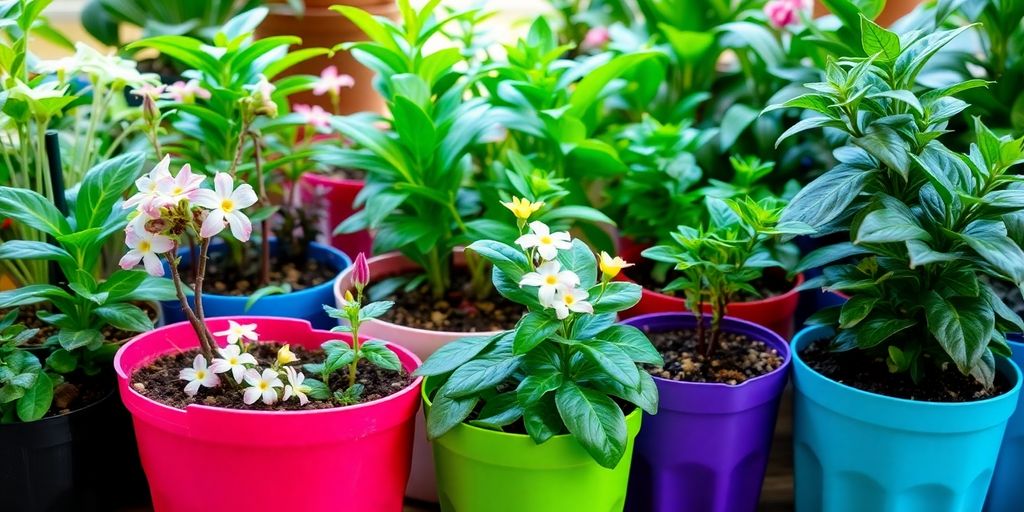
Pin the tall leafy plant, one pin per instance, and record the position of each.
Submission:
(925, 223)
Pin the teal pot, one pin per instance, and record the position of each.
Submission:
(857, 451)
(1007, 491)
(307, 304)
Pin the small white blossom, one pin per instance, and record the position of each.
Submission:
(547, 243)
(261, 386)
(232, 359)
(226, 207)
(198, 375)
(236, 331)
(550, 279)
(147, 248)
(295, 386)
(571, 300)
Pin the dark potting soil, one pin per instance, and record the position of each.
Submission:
(224, 277)
(1010, 294)
(457, 311)
(346, 174)
(773, 283)
(159, 381)
(736, 359)
(28, 315)
(79, 390)
(868, 372)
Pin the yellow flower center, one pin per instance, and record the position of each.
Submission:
(200, 375)
(551, 280)
(263, 386)
(233, 361)
(227, 205)
(569, 299)
(176, 190)
(546, 240)
(145, 246)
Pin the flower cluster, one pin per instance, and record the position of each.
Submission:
(108, 70)
(167, 205)
(279, 382)
(557, 289)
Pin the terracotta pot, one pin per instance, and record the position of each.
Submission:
(893, 10)
(322, 28)
(423, 343)
(776, 313)
(333, 197)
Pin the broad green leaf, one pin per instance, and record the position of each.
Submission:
(29, 208)
(595, 421)
(380, 355)
(127, 317)
(633, 342)
(447, 412)
(480, 374)
(889, 225)
(27, 250)
(533, 329)
(103, 186)
(877, 40)
(872, 332)
(36, 401)
(612, 360)
(963, 326)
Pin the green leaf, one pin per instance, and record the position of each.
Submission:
(612, 360)
(374, 309)
(414, 128)
(27, 250)
(581, 260)
(380, 355)
(31, 209)
(877, 40)
(542, 419)
(618, 296)
(32, 294)
(886, 145)
(903, 96)
(877, 330)
(123, 282)
(855, 310)
(962, 325)
(633, 342)
(103, 186)
(510, 260)
(446, 412)
(989, 240)
(62, 361)
(500, 411)
(456, 353)
(317, 390)
(829, 254)
(534, 387)
(808, 124)
(595, 421)
(479, 375)
(827, 197)
(36, 401)
(152, 288)
(91, 339)
(588, 91)
(127, 317)
(890, 225)
(532, 329)
(338, 355)
(266, 291)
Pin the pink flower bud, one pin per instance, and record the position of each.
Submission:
(360, 272)
(596, 38)
(782, 13)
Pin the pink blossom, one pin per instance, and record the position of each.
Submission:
(147, 248)
(360, 272)
(225, 206)
(159, 188)
(597, 37)
(330, 81)
(153, 92)
(782, 13)
(314, 116)
(183, 92)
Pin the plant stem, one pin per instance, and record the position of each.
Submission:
(265, 224)
(352, 367)
(197, 325)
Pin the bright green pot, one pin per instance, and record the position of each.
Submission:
(481, 470)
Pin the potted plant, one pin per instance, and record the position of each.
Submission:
(722, 377)
(914, 363)
(320, 403)
(542, 417)
(227, 114)
(56, 378)
(772, 299)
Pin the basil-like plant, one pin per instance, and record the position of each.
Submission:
(719, 261)
(87, 305)
(925, 223)
(561, 366)
(26, 391)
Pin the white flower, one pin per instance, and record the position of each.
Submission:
(331, 82)
(295, 386)
(236, 331)
(110, 69)
(261, 386)
(226, 207)
(547, 243)
(187, 92)
(41, 91)
(571, 300)
(159, 188)
(198, 376)
(147, 248)
(233, 360)
(551, 279)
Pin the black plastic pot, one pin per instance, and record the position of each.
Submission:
(85, 461)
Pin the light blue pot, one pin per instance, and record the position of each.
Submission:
(1007, 491)
(856, 451)
(304, 304)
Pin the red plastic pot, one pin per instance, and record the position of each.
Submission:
(775, 313)
(334, 198)
(210, 458)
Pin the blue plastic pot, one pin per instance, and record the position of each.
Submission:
(857, 451)
(1007, 491)
(303, 304)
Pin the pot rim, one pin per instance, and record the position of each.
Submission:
(298, 294)
(427, 403)
(404, 329)
(792, 293)
(124, 374)
(765, 335)
(810, 335)
(54, 420)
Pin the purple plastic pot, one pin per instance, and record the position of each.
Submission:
(707, 448)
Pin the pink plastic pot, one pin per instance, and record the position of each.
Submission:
(334, 198)
(775, 313)
(209, 458)
(423, 343)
